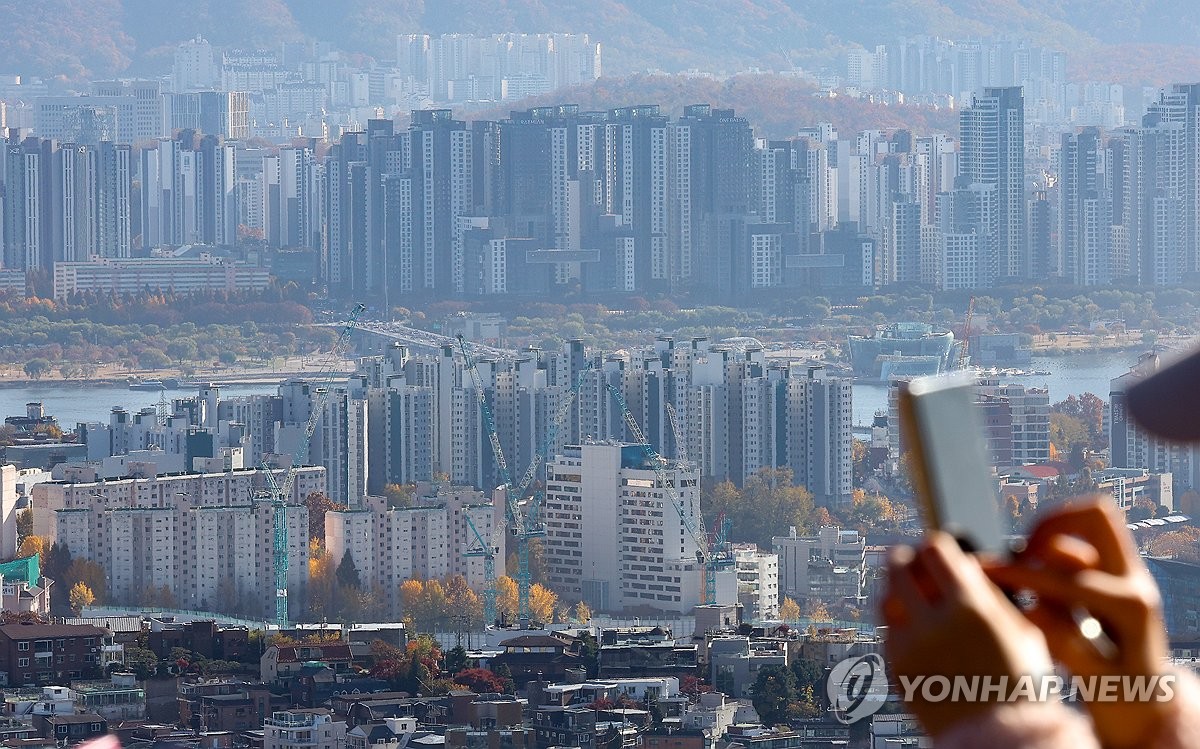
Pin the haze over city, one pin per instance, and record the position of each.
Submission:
(526, 375)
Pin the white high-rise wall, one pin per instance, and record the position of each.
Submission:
(613, 536)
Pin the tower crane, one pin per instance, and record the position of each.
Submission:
(278, 493)
(528, 526)
(716, 542)
(522, 524)
(659, 465)
(966, 343)
(486, 550)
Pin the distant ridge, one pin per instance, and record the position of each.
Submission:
(1130, 41)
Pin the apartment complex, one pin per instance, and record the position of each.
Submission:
(206, 538)
(425, 541)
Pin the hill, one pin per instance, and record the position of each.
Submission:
(1140, 41)
(775, 106)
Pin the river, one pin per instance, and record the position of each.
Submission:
(1069, 375)
(71, 404)
(1073, 374)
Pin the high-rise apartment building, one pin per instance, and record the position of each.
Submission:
(1086, 221)
(992, 153)
(711, 155)
(614, 539)
(195, 66)
(1132, 447)
(202, 536)
(425, 541)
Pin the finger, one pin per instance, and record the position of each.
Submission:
(944, 564)
(1067, 644)
(1064, 554)
(1096, 591)
(903, 586)
(1067, 554)
(1096, 523)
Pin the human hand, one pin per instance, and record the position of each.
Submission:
(1082, 559)
(945, 618)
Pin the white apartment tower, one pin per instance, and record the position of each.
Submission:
(614, 539)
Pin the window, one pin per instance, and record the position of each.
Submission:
(23, 662)
(24, 645)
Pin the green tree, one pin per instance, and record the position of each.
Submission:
(227, 357)
(35, 369)
(153, 358)
(24, 524)
(181, 350)
(773, 694)
(456, 659)
(768, 504)
(141, 661)
(347, 573)
(1066, 432)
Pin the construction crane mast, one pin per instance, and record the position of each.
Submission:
(659, 465)
(966, 342)
(523, 524)
(279, 493)
(512, 510)
(717, 542)
(486, 550)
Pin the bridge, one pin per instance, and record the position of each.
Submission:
(423, 339)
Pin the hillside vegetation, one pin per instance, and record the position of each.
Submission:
(1146, 41)
(774, 105)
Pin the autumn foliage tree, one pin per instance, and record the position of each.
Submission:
(483, 681)
(763, 508)
(411, 669)
(31, 545)
(81, 595)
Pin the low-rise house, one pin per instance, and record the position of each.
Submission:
(12, 729)
(734, 662)
(390, 733)
(226, 704)
(546, 656)
(513, 737)
(36, 654)
(26, 704)
(281, 663)
(72, 729)
(663, 737)
(563, 726)
(116, 699)
(24, 588)
(303, 729)
(204, 638)
(644, 651)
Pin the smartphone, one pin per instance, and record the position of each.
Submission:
(951, 473)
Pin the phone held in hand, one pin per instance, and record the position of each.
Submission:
(951, 475)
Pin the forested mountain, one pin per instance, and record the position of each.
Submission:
(1133, 41)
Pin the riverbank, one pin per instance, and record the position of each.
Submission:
(1065, 344)
(112, 375)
